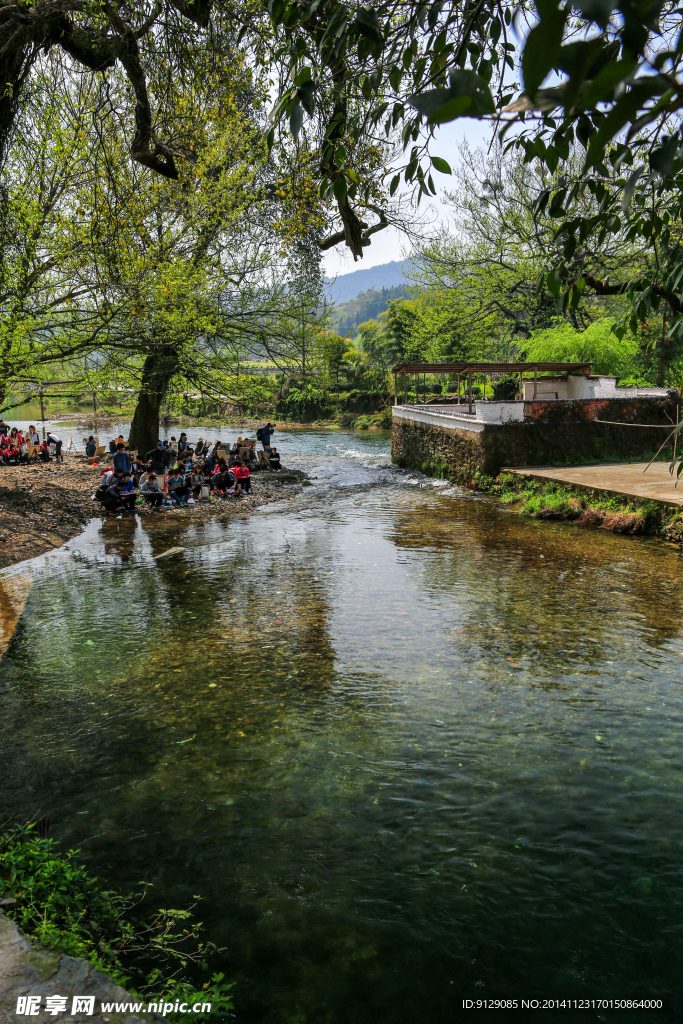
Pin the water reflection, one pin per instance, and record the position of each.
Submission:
(408, 747)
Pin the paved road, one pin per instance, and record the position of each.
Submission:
(625, 478)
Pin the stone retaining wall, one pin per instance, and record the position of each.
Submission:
(561, 433)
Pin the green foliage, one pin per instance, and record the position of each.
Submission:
(306, 401)
(60, 904)
(596, 345)
(635, 380)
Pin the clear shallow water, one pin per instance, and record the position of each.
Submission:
(408, 747)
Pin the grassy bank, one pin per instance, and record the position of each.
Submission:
(548, 500)
(152, 953)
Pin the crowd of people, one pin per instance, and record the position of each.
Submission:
(173, 473)
(176, 473)
(17, 448)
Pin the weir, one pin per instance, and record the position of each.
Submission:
(564, 416)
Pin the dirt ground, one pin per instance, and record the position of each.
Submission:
(43, 506)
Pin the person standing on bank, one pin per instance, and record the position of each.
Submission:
(57, 442)
(263, 434)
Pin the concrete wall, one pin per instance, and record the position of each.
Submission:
(554, 432)
(575, 387)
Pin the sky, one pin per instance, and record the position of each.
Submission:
(391, 244)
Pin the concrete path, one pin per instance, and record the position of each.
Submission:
(625, 478)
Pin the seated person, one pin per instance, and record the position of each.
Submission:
(151, 491)
(157, 456)
(44, 452)
(112, 446)
(128, 490)
(223, 482)
(33, 438)
(176, 488)
(90, 447)
(137, 469)
(196, 480)
(120, 494)
(274, 458)
(108, 478)
(184, 445)
(241, 472)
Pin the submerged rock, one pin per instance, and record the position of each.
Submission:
(170, 551)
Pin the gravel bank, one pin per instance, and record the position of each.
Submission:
(43, 506)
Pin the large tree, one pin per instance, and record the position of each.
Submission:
(361, 73)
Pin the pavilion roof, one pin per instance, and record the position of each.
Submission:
(489, 367)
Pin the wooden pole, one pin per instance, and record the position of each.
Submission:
(395, 390)
(535, 381)
(94, 403)
(521, 385)
(458, 389)
(405, 388)
(470, 390)
(42, 413)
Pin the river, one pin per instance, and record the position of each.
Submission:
(409, 747)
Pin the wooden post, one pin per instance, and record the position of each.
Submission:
(395, 390)
(458, 389)
(42, 413)
(94, 403)
(535, 381)
(470, 390)
(405, 388)
(521, 385)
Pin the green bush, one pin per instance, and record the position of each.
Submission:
(61, 905)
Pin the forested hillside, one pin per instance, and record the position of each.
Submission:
(368, 306)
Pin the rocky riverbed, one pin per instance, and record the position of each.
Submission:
(42, 506)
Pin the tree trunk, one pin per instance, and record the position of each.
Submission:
(157, 373)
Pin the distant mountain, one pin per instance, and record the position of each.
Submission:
(367, 306)
(349, 286)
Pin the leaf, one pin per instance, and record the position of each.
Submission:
(303, 76)
(394, 184)
(441, 165)
(368, 24)
(467, 92)
(597, 10)
(542, 48)
(630, 188)
(296, 119)
(339, 188)
(306, 95)
(662, 158)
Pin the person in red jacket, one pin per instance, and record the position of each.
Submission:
(241, 472)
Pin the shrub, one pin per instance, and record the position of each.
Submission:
(67, 909)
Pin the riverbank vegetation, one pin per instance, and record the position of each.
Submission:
(156, 952)
(540, 499)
